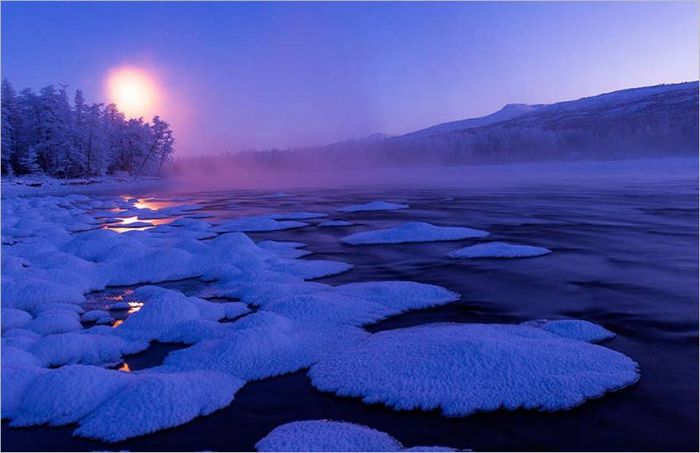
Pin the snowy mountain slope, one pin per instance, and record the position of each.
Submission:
(508, 112)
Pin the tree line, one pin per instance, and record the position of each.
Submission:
(43, 133)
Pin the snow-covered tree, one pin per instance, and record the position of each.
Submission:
(44, 133)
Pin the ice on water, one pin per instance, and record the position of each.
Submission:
(58, 249)
(413, 232)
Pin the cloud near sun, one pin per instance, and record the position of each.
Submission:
(135, 91)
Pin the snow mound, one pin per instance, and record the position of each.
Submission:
(158, 401)
(575, 329)
(326, 435)
(12, 318)
(265, 344)
(72, 348)
(67, 394)
(499, 250)
(412, 232)
(378, 205)
(335, 223)
(330, 435)
(465, 368)
(257, 224)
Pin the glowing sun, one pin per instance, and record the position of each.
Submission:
(134, 91)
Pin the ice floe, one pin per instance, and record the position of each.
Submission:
(335, 223)
(158, 400)
(413, 232)
(257, 224)
(55, 251)
(301, 215)
(576, 329)
(265, 344)
(499, 250)
(330, 435)
(465, 368)
(378, 205)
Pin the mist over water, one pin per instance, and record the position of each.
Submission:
(223, 174)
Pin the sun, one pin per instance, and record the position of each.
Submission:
(134, 91)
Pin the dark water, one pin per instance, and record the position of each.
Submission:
(624, 256)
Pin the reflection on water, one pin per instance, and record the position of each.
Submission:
(118, 323)
(155, 205)
(125, 368)
(134, 307)
(134, 219)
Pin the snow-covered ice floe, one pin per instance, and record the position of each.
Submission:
(499, 250)
(59, 349)
(257, 224)
(413, 232)
(330, 435)
(300, 215)
(335, 223)
(465, 368)
(378, 205)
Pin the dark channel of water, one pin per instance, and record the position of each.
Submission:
(623, 256)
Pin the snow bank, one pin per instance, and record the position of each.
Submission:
(158, 401)
(378, 205)
(326, 435)
(329, 435)
(412, 232)
(499, 250)
(465, 368)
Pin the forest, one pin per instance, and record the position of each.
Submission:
(44, 133)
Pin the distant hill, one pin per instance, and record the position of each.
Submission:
(658, 120)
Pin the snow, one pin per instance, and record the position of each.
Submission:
(55, 321)
(465, 368)
(12, 318)
(261, 223)
(499, 250)
(165, 311)
(284, 249)
(159, 400)
(330, 435)
(263, 345)
(326, 435)
(378, 205)
(67, 394)
(72, 348)
(95, 315)
(577, 329)
(412, 232)
(55, 355)
(301, 215)
(335, 223)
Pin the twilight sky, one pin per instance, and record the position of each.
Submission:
(260, 75)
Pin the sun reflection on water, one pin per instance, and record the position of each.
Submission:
(125, 368)
(134, 307)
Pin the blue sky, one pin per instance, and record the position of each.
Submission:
(259, 75)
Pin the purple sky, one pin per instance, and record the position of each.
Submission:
(260, 75)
